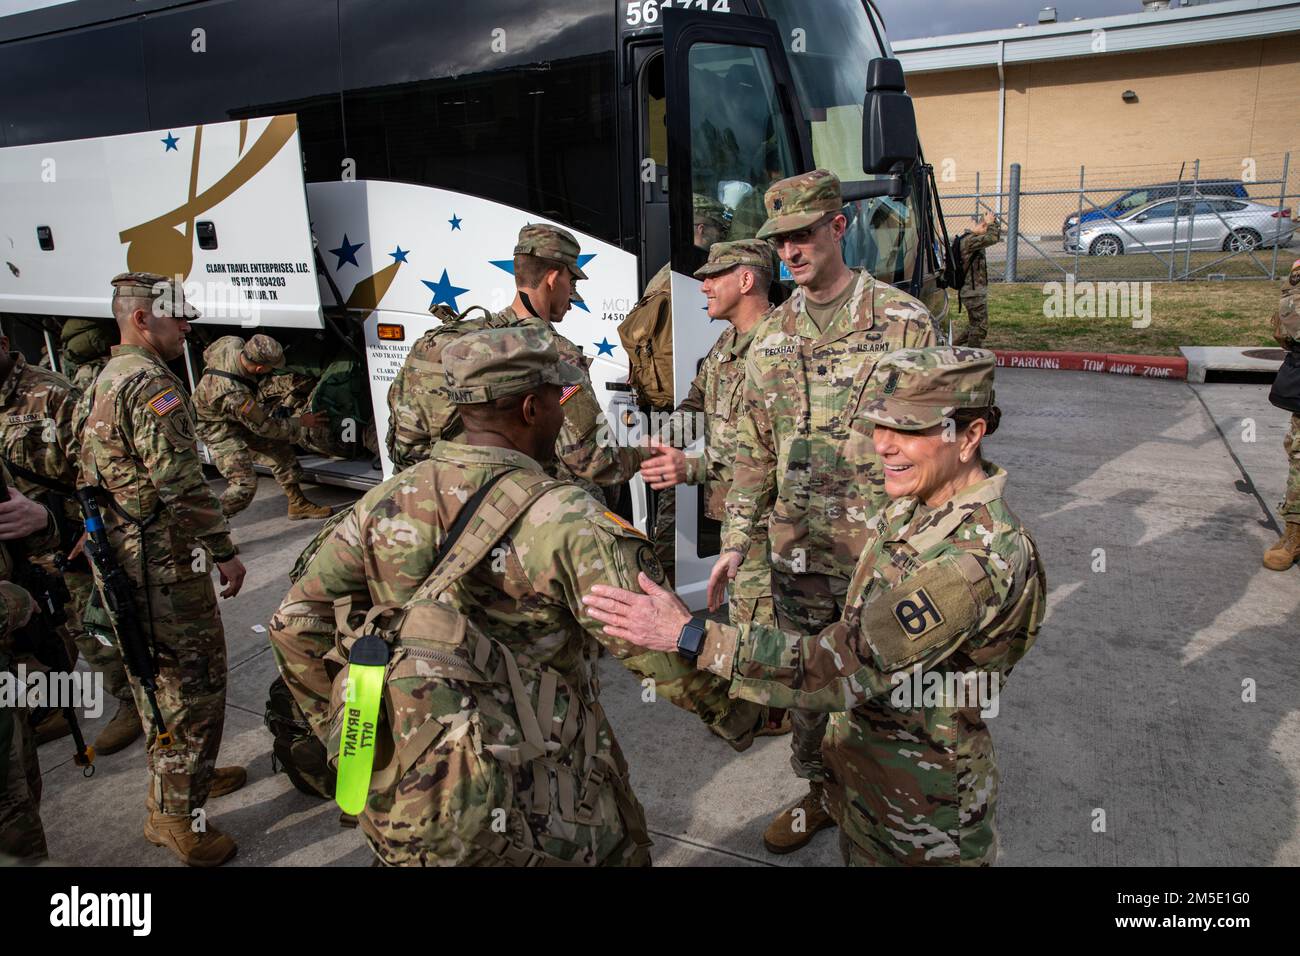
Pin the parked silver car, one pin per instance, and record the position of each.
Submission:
(1232, 225)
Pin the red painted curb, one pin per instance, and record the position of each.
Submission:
(1143, 366)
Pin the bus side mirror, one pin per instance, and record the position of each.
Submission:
(889, 141)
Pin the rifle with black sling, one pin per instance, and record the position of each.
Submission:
(119, 593)
(41, 635)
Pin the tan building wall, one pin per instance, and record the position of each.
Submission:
(1220, 103)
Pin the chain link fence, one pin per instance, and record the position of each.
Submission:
(1211, 220)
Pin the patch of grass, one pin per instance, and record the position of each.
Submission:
(1182, 313)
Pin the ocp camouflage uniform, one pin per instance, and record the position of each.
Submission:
(955, 590)
(798, 460)
(166, 528)
(716, 399)
(527, 596)
(1286, 329)
(21, 833)
(238, 431)
(39, 443)
(974, 292)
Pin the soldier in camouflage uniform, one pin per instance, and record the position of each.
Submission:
(1286, 329)
(947, 598)
(21, 833)
(797, 459)
(647, 337)
(166, 528)
(39, 445)
(237, 430)
(546, 270)
(736, 280)
(86, 344)
(527, 597)
(974, 292)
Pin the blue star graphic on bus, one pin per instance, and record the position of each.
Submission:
(455, 222)
(170, 142)
(604, 346)
(508, 265)
(444, 293)
(400, 255)
(347, 253)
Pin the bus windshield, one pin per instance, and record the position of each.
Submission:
(830, 44)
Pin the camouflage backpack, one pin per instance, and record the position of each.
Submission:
(84, 341)
(294, 748)
(424, 408)
(498, 708)
(647, 335)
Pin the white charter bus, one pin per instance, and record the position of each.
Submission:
(329, 170)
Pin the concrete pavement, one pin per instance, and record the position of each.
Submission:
(1129, 713)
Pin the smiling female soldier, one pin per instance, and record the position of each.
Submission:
(945, 600)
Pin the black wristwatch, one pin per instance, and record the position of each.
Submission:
(691, 640)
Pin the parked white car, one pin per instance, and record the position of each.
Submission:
(1232, 225)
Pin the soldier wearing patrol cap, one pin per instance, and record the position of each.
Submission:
(507, 384)
(238, 431)
(736, 280)
(546, 272)
(797, 459)
(138, 454)
(946, 599)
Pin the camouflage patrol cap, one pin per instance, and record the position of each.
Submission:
(485, 365)
(914, 389)
(550, 242)
(168, 295)
(709, 211)
(725, 256)
(264, 350)
(801, 201)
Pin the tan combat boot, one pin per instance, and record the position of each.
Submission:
(121, 731)
(300, 507)
(795, 826)
(227, 780)
(210, 848)
(52, 727)
(1287, 550)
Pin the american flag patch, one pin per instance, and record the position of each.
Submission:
(164, 403)
(569, 392)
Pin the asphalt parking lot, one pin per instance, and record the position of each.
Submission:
(1128, 712)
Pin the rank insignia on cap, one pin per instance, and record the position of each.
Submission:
(165, 402)
(776, 205)
(892, 383)
(569, 392)
(917, 614)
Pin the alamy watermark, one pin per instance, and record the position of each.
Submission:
(1075, 299)
(922, 688)
(81, 690)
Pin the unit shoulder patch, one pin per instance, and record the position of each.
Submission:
(917, 614)
(931, 610)
(648, 563)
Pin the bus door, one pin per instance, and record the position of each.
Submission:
(734, 127)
